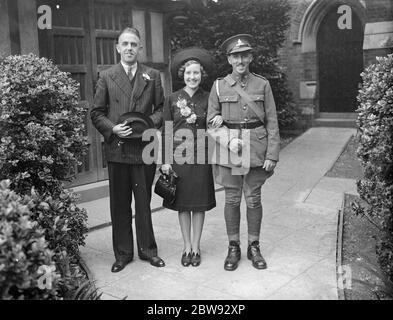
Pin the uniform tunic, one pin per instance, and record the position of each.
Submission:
(195, 186)
(264, 142)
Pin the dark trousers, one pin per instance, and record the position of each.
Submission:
(125, 179)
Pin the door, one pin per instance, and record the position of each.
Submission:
(340, 62)
(68, 44)
(82, 41)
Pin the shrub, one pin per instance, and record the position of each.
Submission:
(64, 223)
(375, 123)
(39, 231)
(24, 252)
(42, 138)
(266, 20)
(41, 123)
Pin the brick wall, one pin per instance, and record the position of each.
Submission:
(298, 67)
(379, 10)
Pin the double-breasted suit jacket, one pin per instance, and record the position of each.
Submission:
(116, 95)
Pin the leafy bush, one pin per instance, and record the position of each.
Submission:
(42, 138)
(41, 124)
(24, 252)
(266, 20)
(64, 223)
(376, 152)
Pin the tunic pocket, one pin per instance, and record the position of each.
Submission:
(257, 97)
(259, 101)
(229, 108)
(261, 132)
(258, 146)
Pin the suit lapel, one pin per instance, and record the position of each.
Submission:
(121, 79)
(139, 85)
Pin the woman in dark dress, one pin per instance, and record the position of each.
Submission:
(186, 110)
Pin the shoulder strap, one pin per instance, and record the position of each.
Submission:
(250, 102)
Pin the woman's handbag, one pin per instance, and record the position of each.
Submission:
(166, 186)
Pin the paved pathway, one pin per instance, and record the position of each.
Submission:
(298, 238)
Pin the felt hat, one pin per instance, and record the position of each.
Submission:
(139, 122)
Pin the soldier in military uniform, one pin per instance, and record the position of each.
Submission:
(240, 103)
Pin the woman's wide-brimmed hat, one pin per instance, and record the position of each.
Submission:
(191, 53)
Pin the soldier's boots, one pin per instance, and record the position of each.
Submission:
(254, 254)
(233, 257)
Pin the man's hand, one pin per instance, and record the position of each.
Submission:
(217, 121)
(121, 130)
(269, 165)
(166, 168)
(236, 145)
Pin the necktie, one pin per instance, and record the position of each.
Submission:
(129, 73)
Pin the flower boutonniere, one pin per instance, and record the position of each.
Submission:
(186, 111)
(192, 118)
(146, 77)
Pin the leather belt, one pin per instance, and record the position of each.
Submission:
(243, 125)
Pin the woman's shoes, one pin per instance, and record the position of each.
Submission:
(193, 258)
(196, 259)
(186, 259)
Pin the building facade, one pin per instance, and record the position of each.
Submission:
(328, 45)
(80, 39)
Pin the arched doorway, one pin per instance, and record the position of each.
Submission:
(340, 62)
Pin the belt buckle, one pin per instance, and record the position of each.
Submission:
(243, 125)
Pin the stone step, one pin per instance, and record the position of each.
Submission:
(92, 191)
(336, 115)
(339, 123)
(98, 190)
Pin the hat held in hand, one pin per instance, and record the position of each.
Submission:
(139, 122)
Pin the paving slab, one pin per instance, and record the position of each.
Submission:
(298, 237)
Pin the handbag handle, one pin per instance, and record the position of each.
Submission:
(172, 173)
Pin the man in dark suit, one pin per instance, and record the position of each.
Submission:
(125, 87)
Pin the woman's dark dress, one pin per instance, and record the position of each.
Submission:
(195, 186)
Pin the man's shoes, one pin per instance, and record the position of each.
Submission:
(186, 259)
(254, 254)
(196, 259)
(119, 265)
(233, 257)
(155, 261)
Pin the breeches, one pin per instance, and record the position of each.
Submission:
(250, 184)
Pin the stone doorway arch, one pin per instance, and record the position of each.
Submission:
(307, 37)
(340, 62)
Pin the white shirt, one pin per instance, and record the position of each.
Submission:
(133, 67)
